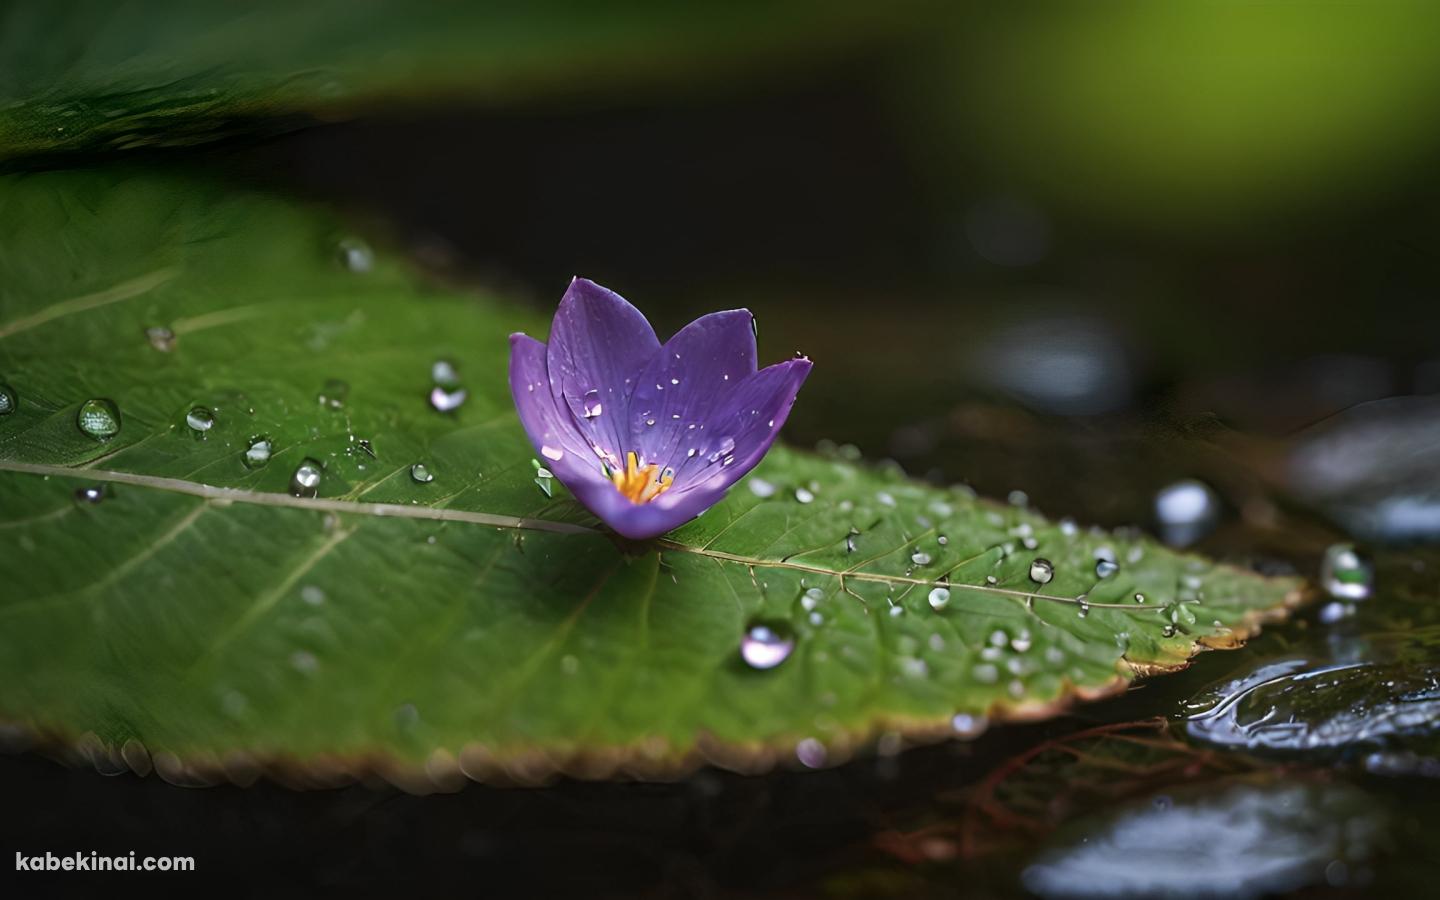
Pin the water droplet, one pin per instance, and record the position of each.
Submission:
(812, 598)
(766, 646)
(1168, 631)
(1345, 575)
(811, 753)
(939, 598)
(942, 540)
(313, 594)
(554, 454)
(850, 539)
(161, 338)
(1084, 610)
(649, 421)
(1104, 568)
(755, 327)
(443, 373)
(1139, 597)
(420, 474)
(258, 452)
(590, 405)
(991, 580)
(884, 499)
(1018, 498)
(968, 726)
(920, 558)
(99, 418)
(200, 420)
(1186, 511)
(761, 488)
(1041, 570)
(1021, 642)
(674, 381)
(447, 400)
(355, 255)
(8, 400)
(91, 494)
(332, 395)
(306, 480)
(804, 495)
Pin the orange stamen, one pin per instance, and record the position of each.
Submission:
(641, 484)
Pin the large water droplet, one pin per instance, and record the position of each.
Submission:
(590, 404)
(200, 419)
(446, 400)
(161, 338)
(761, 488)
(766, 646)
(305, 482)
(1104, 568)
(1041, 570)
(1168, 631)
(8, 400)
(1186, 511)
(333, 394)
(258, 452)
(920, 558)
(804, 495)
(939, 598)
(1345, 575)
(421, 474)
(99, 418)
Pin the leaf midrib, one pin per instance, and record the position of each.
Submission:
(430, 513)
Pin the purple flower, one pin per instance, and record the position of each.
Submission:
(647, 437)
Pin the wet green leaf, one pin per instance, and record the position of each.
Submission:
(170, 601)
(97, 76)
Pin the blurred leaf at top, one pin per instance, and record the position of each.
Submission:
(97, 76)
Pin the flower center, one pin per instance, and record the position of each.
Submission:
(641, 484)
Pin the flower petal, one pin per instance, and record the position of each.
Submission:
(598, 343)
(742, 432)
(683, 385)
(550, 428)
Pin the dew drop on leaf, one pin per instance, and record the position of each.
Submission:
(257, 453)
(99, 418)
(443, 373)
(161, 338)
(803, 495)
(90, 494)
(421, 474)
(447, 400)
(1104, 568)
(762, 488)
(939, 598)
(200, 419)
(8, 400)
(766, 646)
(1041, 570)
(305, 482)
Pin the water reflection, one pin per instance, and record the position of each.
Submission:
(1245, 841)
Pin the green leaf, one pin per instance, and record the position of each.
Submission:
(201, 617)
(96, 76)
